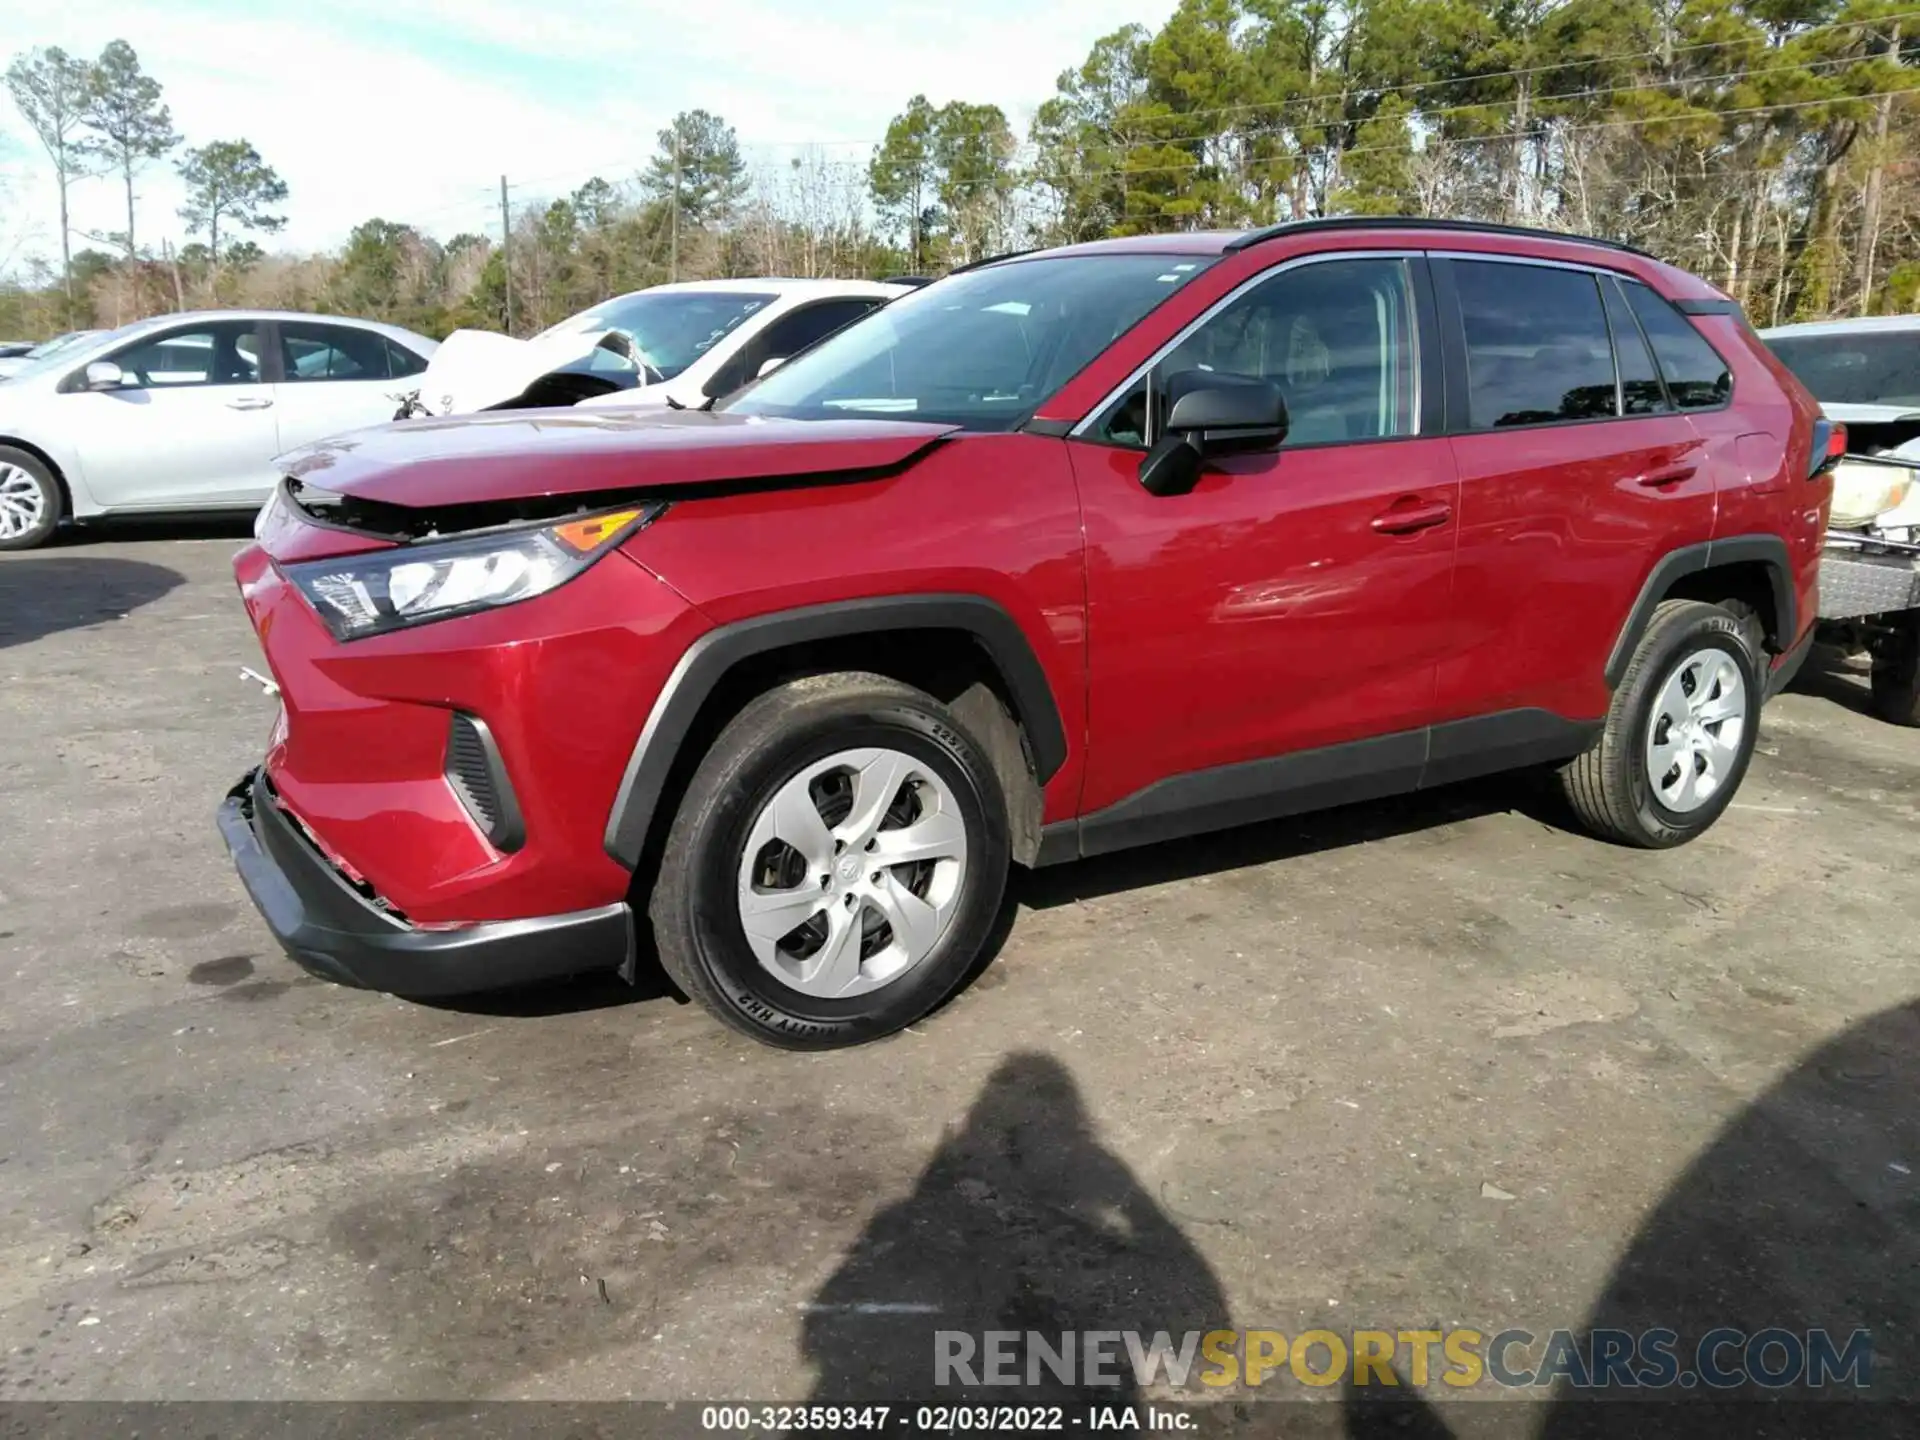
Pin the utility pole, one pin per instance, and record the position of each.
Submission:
(506, 253)
(673, 246)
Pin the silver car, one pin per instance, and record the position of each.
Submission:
(186, 412)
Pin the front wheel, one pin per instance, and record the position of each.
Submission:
(29, 500)
(836, 866)
(1679, 734)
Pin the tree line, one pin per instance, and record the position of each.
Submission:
(1770, 145)
(106, 117)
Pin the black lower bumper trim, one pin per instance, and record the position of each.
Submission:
(330, 929)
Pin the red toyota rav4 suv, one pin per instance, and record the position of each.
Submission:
(1063, 553)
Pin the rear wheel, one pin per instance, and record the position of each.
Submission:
(1679, 734)
(29, 500)
(1896, 671)
(836, 866)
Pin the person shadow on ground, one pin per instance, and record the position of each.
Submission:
(1022, 1221)
(1802, 1215)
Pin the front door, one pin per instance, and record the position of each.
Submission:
(1295, 601)
(190, 424)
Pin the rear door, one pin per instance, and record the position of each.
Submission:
(190, 424)
(335, 378)
(1577, 473)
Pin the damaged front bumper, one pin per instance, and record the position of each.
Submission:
(329, 927)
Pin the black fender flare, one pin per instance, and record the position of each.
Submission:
(709, 658)
(1769, 550)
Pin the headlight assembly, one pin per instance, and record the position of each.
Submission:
(382, 590)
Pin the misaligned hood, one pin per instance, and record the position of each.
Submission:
(518, 454)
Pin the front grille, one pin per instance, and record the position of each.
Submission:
(479, 778)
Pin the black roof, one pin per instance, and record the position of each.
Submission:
(1414, 222)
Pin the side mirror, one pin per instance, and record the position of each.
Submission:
(769, 365)
(104, 375)
(1226, 417)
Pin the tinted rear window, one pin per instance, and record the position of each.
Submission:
(1697, 378)
(1538, 349)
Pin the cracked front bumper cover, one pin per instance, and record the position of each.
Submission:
(328, 927)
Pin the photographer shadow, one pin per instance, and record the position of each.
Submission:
(1802, 1215)
(1022, 1221)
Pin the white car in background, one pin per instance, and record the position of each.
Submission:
(186, 412)
(685, 345)
(13, 364)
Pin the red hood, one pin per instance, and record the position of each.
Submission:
(514, 455)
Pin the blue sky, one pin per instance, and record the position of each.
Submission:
(412, 109)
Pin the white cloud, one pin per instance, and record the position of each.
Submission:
(412, 112)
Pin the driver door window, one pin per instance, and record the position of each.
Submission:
(220, 354)
(1337, 337)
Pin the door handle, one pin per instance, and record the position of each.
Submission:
(1672, 475)
(249, 402)
(1408, 516)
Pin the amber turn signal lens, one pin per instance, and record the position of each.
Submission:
(584, 537)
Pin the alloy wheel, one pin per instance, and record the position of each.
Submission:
(23, 504)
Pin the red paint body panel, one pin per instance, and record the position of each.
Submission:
(507, 455)
(1557, 534)
(989, 515)
(1761, 445)
(564, 681)
(1262, 613)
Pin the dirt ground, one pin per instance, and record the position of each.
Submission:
(1434, 1063)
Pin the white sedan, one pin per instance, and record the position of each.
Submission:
(685, 344)
(186, 412)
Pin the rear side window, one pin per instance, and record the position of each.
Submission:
(332, 352)
(1641, 392)
(1696, 376)
(1538, 349)
(402, 361)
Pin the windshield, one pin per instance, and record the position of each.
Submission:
(49, 353)
(981, 349)
(1864, 368)
(672, 329)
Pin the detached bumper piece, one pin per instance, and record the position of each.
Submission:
(330, 928)
(1853, 585)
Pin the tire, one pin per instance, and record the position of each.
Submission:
(29, 494)
(1896, 672)
(707, 877)
(1611, 788)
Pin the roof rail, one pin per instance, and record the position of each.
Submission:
(1413, 222)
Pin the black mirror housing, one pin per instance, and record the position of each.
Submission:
(1217, 415)
(1231, 417)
